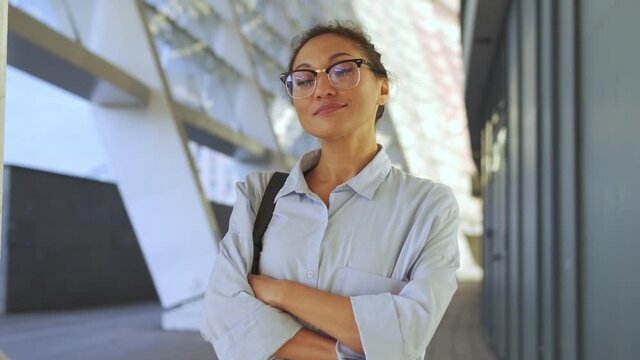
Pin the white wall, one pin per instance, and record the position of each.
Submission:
(51, 130)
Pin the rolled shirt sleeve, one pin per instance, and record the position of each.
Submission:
(401, 326)
(344, 353)
(238, 325)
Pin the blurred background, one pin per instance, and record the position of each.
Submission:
(127, 124)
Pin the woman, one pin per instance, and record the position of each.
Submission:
(359, 258)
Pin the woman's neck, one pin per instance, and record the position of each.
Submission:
(340, 160)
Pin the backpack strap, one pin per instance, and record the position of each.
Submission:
(265, 213)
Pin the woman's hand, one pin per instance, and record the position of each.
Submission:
(267, 289)
(330, 313)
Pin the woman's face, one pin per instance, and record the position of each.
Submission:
(333, 114)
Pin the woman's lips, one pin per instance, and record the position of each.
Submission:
(328, 109)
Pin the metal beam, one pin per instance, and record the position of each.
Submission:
(43, 52)
(218, 136)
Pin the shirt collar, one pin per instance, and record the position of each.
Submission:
(365, 183)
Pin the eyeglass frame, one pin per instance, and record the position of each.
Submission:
(359, 62)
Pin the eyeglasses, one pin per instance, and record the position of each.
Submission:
(343, 75)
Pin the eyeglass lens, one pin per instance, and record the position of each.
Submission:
(342, 76)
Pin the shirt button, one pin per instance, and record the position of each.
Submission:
(310, 274)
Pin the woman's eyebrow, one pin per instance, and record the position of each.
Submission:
(336, 55)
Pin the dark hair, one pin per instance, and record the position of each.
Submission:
(350, 31)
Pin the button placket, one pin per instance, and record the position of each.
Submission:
(312, 271)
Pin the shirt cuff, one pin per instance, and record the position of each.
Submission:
(345, 353)
(378, 326)
(257, 337)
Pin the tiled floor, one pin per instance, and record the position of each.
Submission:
(460, 335)
(129, 332)
(133, 332)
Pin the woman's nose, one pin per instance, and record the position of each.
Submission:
(324, 86)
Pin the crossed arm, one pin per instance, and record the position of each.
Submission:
(235, 314)
(330, 313)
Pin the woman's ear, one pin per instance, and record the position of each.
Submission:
(384, 92)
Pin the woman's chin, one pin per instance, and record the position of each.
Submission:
(336, 130)
(327, 129)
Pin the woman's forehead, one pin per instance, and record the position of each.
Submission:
(326, 48)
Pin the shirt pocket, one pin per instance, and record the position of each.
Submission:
(354, 282)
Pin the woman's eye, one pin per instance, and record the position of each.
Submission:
(302, 83)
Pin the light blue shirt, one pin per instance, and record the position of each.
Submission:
(388, 240)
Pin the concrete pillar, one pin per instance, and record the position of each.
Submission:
(148, 151)
(3, 66)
